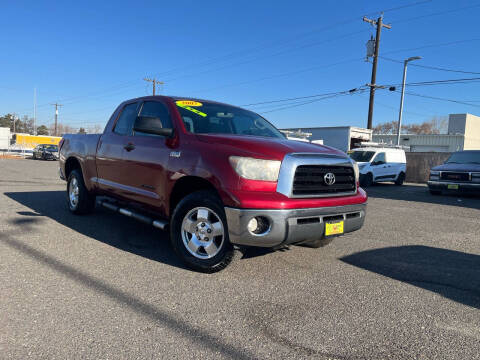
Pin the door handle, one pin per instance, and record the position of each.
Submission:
(129, 147)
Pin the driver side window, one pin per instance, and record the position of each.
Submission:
(380, 158)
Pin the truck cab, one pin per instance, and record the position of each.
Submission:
(380, 164)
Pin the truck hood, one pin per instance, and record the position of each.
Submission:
(265, 147)
(458, 167)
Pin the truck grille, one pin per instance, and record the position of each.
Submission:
(309, 180)
(455, 176)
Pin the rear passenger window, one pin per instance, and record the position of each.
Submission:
(158, 110)
(127, 117)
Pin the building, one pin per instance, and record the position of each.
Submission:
(5, 137)
(463, 134)
(341, 137)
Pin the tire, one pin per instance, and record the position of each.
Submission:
(318, 242)
(34, 156)
(367, 180)
(435, 192)
(79, 201)
(400, 179)
(195, 217)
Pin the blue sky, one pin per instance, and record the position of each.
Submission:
(90, 56)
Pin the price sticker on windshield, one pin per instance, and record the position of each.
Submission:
(190, 106)
(183, 103)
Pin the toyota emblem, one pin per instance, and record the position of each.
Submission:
(329, 178)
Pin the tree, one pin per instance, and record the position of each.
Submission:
(436, 125)
(42, 130)
(82, 131)
(61, 129)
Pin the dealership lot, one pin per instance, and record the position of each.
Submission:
(407, 285)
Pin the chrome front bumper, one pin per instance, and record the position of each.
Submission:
(291, 225)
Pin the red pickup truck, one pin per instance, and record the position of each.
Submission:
(218, 177)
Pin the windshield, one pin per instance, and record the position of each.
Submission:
(211, 118)
(464, 157)
(362, 156)
(51, 147)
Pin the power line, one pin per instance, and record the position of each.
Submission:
(341, 93)
(432, 67)
(440, 99)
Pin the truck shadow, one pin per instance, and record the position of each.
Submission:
(419, 193)
(116, 230)
(452, 274)
(113, 229)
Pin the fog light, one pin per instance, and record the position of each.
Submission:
(252, 225)
(259, 225)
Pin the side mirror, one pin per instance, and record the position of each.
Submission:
(151, 125)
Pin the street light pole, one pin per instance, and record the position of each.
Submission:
(403, 94)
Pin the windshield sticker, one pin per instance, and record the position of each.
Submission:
(184, 103)
(187, 105)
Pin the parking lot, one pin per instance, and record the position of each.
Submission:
(407, 285)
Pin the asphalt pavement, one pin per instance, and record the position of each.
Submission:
(102, 286)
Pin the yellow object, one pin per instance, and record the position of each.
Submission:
(184, 103)
(452, 186)
(334, 228)
(187, 105)
(30, 141)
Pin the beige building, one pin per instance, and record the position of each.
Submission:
(463, 134)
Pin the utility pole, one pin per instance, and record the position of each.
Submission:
(154, 82)
(14, 120)
(56, 116)
(35, 111)
(379, 24)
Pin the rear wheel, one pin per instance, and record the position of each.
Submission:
(79, 199)
(199, 233)
(400, 179)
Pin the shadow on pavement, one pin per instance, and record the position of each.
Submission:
(452, 274)
(110, 228)
(419, 193)
(155, 314)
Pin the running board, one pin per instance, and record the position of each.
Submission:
(160, 224)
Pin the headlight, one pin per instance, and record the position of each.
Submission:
(476, 177)
(356, 171)
(434, 175)
(256, 169)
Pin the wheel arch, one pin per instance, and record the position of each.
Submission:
(187, 185)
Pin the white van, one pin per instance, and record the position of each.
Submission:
(378, 164)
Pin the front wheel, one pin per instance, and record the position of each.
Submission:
(199, 233)
(367, 180)
(400, 179)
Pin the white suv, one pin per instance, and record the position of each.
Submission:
(380, 164)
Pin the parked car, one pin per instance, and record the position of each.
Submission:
(461, 172)
(380, 164)
(217, 176)
(45, 152)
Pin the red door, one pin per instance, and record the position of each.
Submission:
(146, 158)
(111, 169)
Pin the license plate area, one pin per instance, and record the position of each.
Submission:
(452, 186)
(334, 228)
